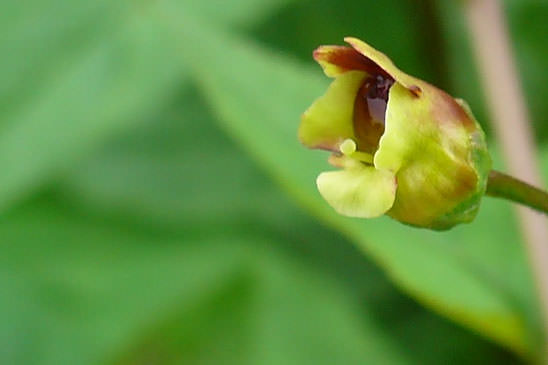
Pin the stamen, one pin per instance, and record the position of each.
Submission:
(348, 148)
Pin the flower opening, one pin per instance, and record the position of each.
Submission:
(405, 148)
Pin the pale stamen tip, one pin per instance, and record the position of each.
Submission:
(348, 147)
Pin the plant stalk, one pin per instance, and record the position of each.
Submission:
(507, 187)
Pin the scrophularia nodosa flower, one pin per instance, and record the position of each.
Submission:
(404, 147)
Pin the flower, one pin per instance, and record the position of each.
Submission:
(405, 148)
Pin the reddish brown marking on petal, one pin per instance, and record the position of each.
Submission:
(465, 182)
(348, 59)
(445, 108)
(415, 90)
(325, 146)
(336, 159)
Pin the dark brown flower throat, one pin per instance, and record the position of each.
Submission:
(370, 111)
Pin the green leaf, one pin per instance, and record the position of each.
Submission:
(175, 169)
(89, 288)
(82, 290)
(105, 86)
(277, 313)
(86, 286)
(75, 73)
(241, 12)
(260, 95)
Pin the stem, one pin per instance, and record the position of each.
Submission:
(504, 186)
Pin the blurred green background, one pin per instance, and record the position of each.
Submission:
(156, 207)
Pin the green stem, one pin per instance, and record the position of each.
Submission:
(503, 186)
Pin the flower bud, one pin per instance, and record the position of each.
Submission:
(404, 147)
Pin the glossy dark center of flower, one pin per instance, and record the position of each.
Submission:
(370, 111)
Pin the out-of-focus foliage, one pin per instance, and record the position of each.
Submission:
(156, 206)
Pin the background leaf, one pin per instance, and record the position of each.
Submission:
(70, 84)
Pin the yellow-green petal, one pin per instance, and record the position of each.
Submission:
(358, 191)
(427, 143)
(328, 122)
